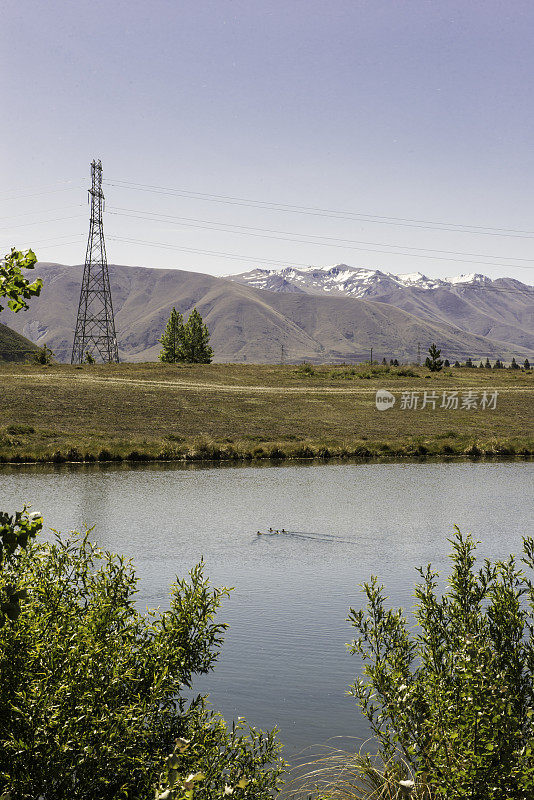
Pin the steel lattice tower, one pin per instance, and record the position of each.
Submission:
(95, 325)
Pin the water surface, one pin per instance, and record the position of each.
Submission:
(284, 661)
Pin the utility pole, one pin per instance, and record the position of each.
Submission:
(95, 324)
(418, 354)
(371, 361)
(282, 354)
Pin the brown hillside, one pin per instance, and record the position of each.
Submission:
(246, 324)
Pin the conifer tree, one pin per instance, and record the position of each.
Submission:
(172, 338)
(194, 348)
(433, 360)
(526, 364)
(488, 365)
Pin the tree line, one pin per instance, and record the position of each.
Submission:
(435, 363)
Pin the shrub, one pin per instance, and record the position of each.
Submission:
(20, 429)
(92, 691)
(43, 355)
(454, 697)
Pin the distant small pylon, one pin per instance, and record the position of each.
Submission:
(95, 324)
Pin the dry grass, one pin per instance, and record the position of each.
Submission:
(344, 775)
(228, 411)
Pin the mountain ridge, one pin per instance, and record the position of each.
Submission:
(246, 324)
(501, 309)
(14, 346)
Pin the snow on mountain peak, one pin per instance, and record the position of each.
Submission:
(471, 277)
(354, 281)
(412, 277)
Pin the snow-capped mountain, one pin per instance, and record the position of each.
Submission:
(354, 281)
(502, 308)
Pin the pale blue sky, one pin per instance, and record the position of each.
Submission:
(415, 110)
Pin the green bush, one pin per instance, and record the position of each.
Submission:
(453, 697)
(93, 692)
(306, 369)
(43, 355)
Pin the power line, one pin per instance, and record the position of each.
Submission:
(233, 256)
(37, 194)
(40, 242)
(329, 241)
(486, 230)
(42, 222)
(256, 260)
(48, 211)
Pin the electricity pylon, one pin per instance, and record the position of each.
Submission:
(95, 325)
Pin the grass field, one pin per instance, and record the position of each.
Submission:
(228, 411)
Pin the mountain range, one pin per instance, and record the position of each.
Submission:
(265, 315)
(501, 309)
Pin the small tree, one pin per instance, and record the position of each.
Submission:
(526, 364)
(456, 695)
(468, 362)
(13, 284)
(487, 364)
(43, 355)
(446, 363)
(481, 365)
(498, 364)
(514, 364)
(433, 361)
(172, 339)
(457, 364)
(89, 358)
(195, 347)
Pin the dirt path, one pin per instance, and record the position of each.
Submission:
(275, 390)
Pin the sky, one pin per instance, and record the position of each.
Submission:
(234, 134)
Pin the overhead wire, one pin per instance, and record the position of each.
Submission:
(48, 211)
(329, 241)
(43, 221)
(330, 213)
(37, 194)
(274, 262)
(288, 236)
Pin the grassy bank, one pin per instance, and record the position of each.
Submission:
(227, 411)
